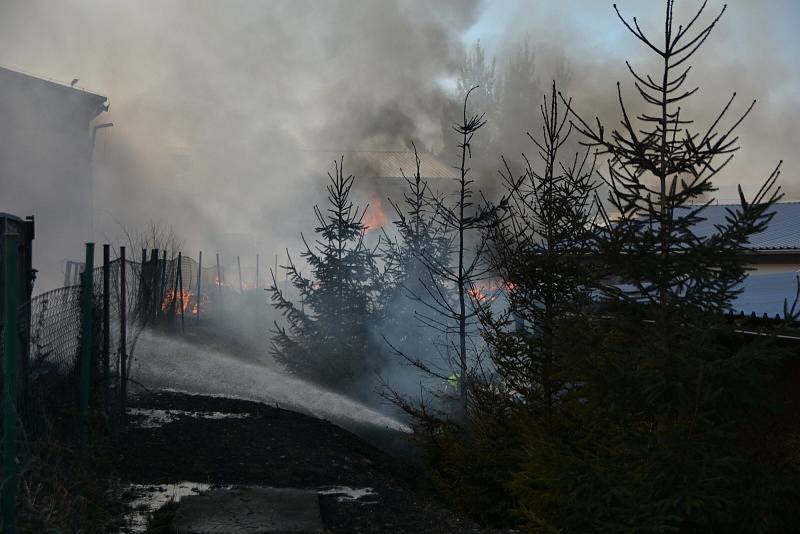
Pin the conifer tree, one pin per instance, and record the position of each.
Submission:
(449, 286)
(667, 422)
(405, 273)
(541, 248)
(329, 339)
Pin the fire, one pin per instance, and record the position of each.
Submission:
(476, 293)
(489, 290)
(376, 216)
(198, 304)
(173, 298)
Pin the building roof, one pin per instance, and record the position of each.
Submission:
(766, 293)
(782, 233)
(760, 294)
(384, 164)
(38, 85)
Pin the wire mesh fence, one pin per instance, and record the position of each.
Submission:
(159, 293)
(72, 351)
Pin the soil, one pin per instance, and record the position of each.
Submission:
(281, 448)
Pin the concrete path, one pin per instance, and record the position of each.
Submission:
(250, 510)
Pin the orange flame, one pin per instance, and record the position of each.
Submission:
(173, 298)
(477, 293)
(376, 216)
(489, 290)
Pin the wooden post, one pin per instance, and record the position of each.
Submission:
(239, 263)
(106, 324)
(123, 331)
(199, 277)
(180, 289)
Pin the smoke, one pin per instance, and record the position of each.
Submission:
(221, 109)
(214, 102)
(750, 52)
(217, 105)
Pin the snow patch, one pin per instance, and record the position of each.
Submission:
(156, 418)
(152, 497)
(348, 494)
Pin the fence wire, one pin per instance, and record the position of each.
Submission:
(158, 292)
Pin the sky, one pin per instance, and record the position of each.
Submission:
(752, 51)
(211, 99)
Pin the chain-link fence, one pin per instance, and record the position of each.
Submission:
(72, 351)
(160, 293)
(156, 293)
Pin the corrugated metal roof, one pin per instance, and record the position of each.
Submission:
(783, 232)
(760, 293)
(766, 293)
(381, 163)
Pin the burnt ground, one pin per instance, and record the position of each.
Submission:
(282, 448)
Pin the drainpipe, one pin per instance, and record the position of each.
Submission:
(91, 172)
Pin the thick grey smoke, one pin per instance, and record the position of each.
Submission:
(214, 102)
(751, 52)
(221, 109)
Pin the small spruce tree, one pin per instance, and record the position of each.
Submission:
(329, 338)
(449, 286)
(542, 246)
(406, 275)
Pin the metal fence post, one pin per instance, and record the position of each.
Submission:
(123, 331)
(10, 356)
(68, 274)
(162, 273)
(174, 296)
(180, 288)
(142, 305)
(199, 277)
(86, 344)
(106, 325)
(239, 263)
(152, 277)
(219, 276)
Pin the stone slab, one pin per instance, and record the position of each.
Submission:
(250, 510)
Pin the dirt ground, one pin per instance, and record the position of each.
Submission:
(281, 448)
